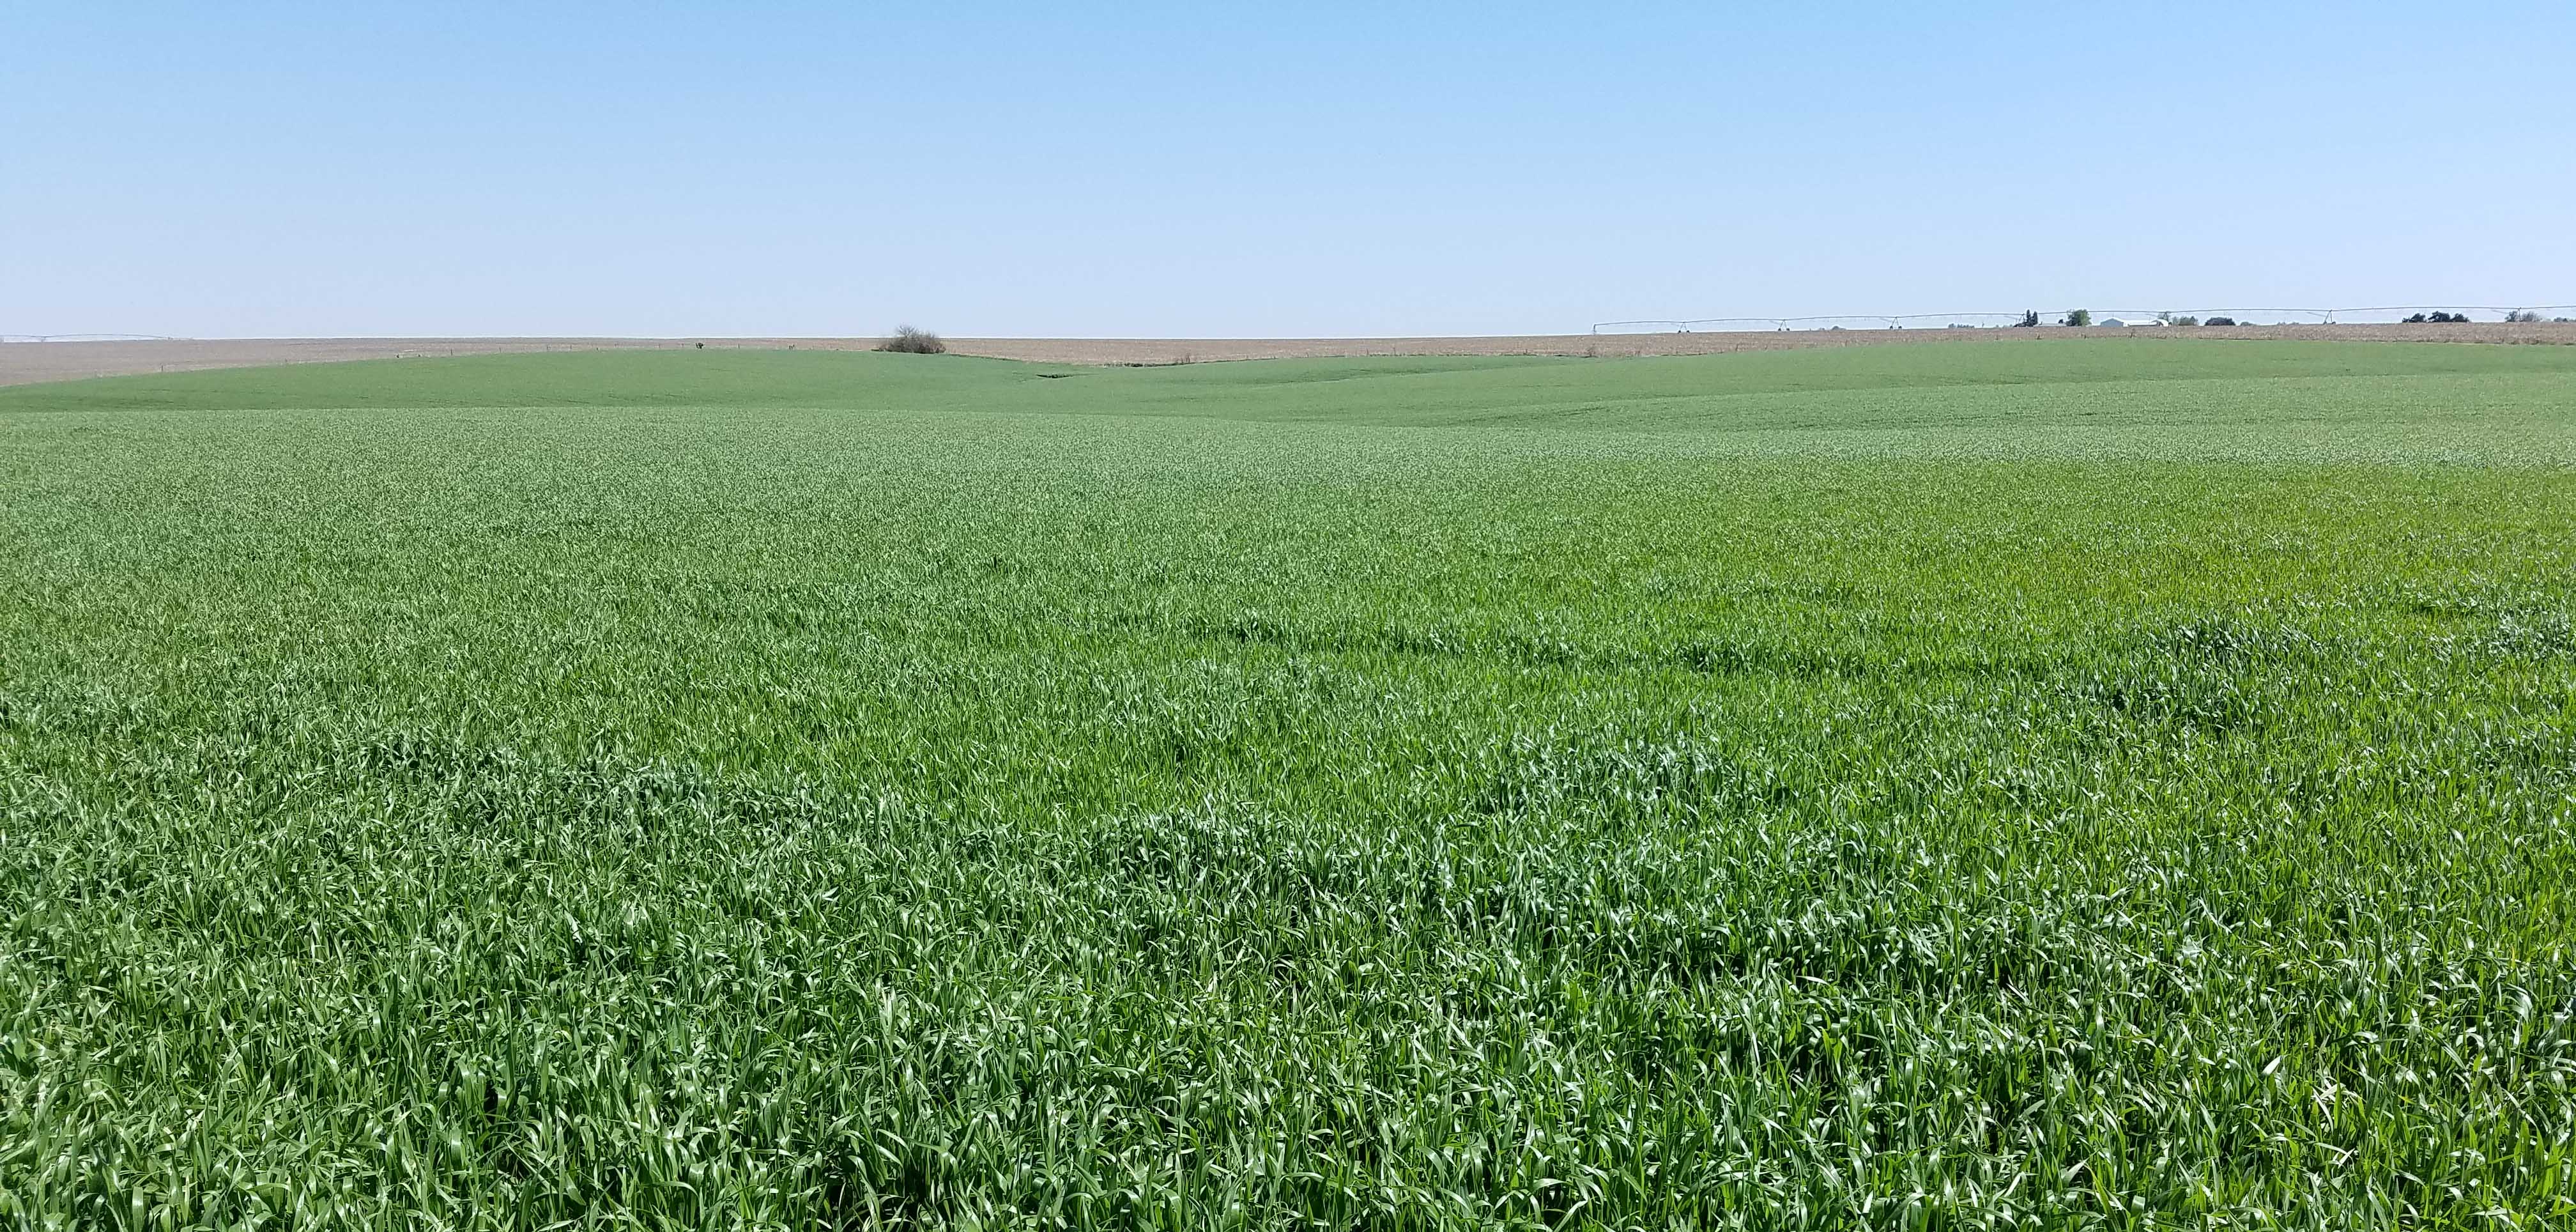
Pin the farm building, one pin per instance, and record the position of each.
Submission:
(2127, 323)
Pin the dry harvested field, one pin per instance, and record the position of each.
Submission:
(29, 362)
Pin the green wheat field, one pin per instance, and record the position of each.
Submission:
(2060, 784)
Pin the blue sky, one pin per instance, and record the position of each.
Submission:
(286, 169)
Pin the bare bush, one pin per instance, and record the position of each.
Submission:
(910, 341)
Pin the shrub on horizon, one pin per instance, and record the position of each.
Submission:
(910, 341)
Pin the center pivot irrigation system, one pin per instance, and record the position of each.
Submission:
(1984, 320)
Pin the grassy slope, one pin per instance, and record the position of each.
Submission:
(1722, 788)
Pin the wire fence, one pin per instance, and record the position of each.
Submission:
(2398, 315)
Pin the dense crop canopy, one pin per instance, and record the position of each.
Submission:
(2050, 784)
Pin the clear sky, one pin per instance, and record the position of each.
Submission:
(1218, 170)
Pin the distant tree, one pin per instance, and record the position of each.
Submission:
(2521, 316)
(2416, 319)
(2029, 320)
(2079, 318)
(2220, 321)
(912, 341)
